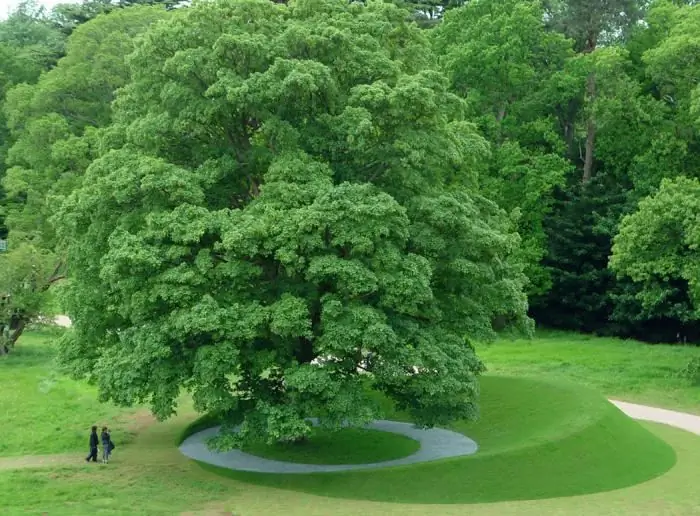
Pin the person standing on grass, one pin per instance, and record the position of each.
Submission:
(106, 444)
(93, 446)
(110, 447)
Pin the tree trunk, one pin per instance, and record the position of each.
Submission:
(11, 334)
(591, 45)
(501, 113)
(17, 332)
(590, 131)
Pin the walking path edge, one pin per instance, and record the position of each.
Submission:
(682, 420)
(435, 443)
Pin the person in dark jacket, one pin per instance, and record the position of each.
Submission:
(106, 444)
(93, 446)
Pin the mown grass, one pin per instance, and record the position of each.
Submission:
(546, 439)
(149, 476)
(622, 369)
(43, 411)
(346, 446)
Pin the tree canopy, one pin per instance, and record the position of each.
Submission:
(658, 246)
(290, 199)
(282, 207)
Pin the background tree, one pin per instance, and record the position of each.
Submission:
(27, 273)
(54, 126)
(67, 16)
(657, 247)
(28, 47)
(592, 23)
(501, 58)
(640, 139)
(287, 200)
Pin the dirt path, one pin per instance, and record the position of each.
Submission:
(40, 461)
(135, 422)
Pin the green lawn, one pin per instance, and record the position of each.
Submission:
(149, 476)
(43, 411)
(347, 446)
(547, 439)
(624, 369)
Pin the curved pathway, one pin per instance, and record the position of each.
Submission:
(435, 443)
(682, 420)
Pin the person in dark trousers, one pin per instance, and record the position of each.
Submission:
(106, 444)
(93, 446)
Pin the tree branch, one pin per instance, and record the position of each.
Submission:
(55, 275)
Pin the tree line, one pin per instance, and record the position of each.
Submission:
(236, 189)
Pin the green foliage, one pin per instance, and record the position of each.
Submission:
(674, 63)
(27, 272)
(691, 371)
(53, 125)
(320, 216)
(591, 22)
(640, 136)
(657, 247)
(68, 16)
(577, 257)
(28, 47)
(500, 57)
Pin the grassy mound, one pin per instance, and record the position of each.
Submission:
(347, 446)
(537, 440)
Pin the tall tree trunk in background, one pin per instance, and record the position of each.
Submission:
(17, 331)
(11, 332)
(590, 131)
(501, 113)
(591, 43)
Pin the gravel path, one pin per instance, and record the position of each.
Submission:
(435, 444)
(688, 422)
(682, 420)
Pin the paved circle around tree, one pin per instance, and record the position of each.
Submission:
(435, 443)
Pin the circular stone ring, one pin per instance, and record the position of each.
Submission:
(435, 444)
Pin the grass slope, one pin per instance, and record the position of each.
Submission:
(623, 369)
(149, 476)
(347, 446)
(537, 440)
(44, 412)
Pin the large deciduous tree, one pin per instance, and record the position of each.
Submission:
(290, 199)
